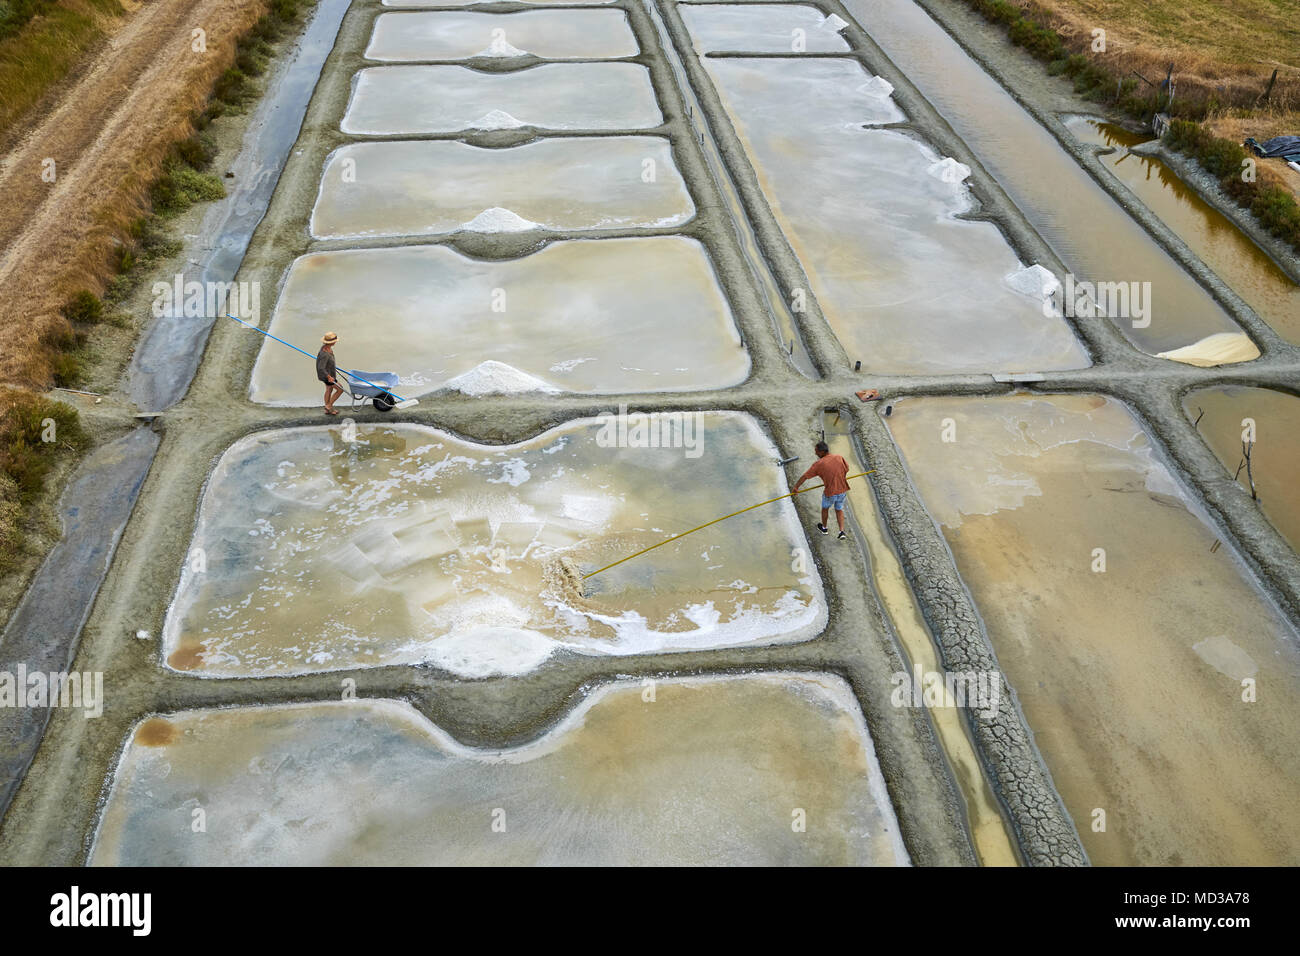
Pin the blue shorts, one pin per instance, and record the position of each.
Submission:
(836, 500)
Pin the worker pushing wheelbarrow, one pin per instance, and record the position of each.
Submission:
(374, 387)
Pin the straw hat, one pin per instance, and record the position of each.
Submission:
(329, 338)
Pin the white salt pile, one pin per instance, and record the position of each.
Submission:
(1034, 281)
(497, 378)
(948, 170)
(498, 219)
(497, 119)
(1226, 657)
(501, 47)
(877, 86)
(834, 23)
(491, 651)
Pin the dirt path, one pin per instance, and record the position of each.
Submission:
(107, 136)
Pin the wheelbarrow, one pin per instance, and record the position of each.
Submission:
(376, 388)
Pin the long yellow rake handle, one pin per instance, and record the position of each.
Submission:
(790, 494)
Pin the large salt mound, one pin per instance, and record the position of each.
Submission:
(497, 119)
(497, 378)
(497, 219)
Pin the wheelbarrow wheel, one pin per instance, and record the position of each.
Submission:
(384, 403)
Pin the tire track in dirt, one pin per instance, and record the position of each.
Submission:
(108, 136)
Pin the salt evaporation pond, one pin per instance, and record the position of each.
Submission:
(400, 4)
(407, 544)
(1275, 459)
(772, 28)
(1130, 672)
(438, 187)
(711, 771)
(905, 286)
(457, 35)
(1091, 232)
(394, 100)
(1244, 266)
(597, 316)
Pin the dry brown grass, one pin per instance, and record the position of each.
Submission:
(35, 61)
(109, 133)
(109, 118)
(1223, 51)
(1261, 124)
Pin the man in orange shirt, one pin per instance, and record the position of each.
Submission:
(833, 470)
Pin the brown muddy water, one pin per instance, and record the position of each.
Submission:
(1272, 417)
(990, 836)
(776, 769)
(1130, 643)
(322, 548)
(1248, 269)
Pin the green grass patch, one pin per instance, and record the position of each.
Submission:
(35, 433)
(15, 14)
(181, 186)
(1274, 207)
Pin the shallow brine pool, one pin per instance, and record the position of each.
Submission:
(397, 100)
(1161, 686)
(456, 35)
(439, 187)
(343, 546)
(603, 316)
(905, 285)
(689, 771)
(771, 28)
